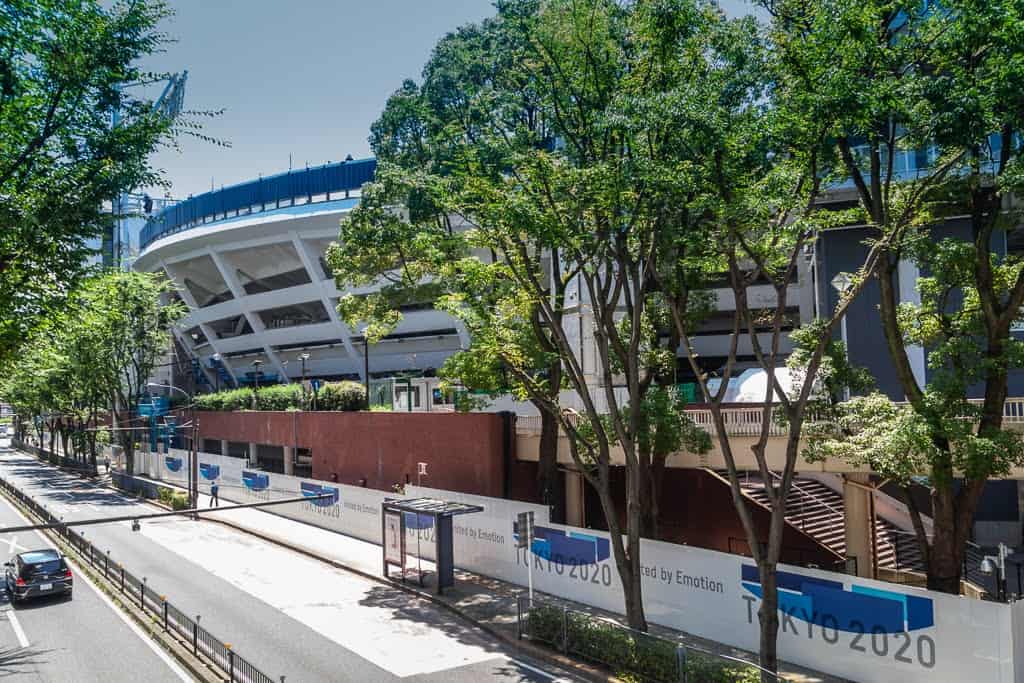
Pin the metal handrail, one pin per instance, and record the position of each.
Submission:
(144, 596)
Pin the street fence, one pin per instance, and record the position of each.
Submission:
(151, 602)
(624, 650)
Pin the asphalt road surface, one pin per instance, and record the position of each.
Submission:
(286, 613)
(82, 639)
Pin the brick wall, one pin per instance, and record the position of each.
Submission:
(463, 452)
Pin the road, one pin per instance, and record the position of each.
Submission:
(286, 613)
(83, 639)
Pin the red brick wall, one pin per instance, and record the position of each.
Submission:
(463, 452)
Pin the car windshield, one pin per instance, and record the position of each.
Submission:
(40, 563)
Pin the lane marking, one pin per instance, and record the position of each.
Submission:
(16, 625)
(541, 672)
(157, 650)
(12, 545)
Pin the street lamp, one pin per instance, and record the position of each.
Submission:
(366, 365)
(303, 358)
(841, 282)
(996, 564)
(256, 381)
(216, 370)
(193, 456)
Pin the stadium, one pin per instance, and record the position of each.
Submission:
(248, 263)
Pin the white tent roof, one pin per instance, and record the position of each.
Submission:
(751, 385)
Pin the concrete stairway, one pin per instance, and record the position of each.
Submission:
(818, 511)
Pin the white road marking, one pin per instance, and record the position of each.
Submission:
(16, 625)
(157, 650)
(540, 672)
(13, 547)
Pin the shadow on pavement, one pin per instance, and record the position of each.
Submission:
(409, 608)
(20, 660)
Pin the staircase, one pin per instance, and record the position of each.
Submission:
(818, 511)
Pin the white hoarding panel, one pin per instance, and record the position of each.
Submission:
(846, 626)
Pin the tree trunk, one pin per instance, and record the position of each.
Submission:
(652, 502)
(768, 616)
(635, 480)
(944, 560)
(626, 556)
(549, 488)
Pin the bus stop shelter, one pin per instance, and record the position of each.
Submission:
(421, 514)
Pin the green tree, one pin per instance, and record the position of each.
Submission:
(947, 80)
(547, 188)
(127, 323)
(63, 68)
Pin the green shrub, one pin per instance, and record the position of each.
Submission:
(332, 396)
(279, 397)
(179, 501)
(342, 396)
(633, 657)
(165, 494)
(231, 399)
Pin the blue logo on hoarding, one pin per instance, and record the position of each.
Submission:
(173, 464)
(209, 472)
(417, 521)
(572, 548)
(827, 603)
(310, 490)
(255, 481)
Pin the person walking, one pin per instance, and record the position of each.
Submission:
(214, 497)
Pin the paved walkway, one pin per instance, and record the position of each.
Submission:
(488, 602)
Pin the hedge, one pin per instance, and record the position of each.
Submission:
(335, 396)
(630, 655)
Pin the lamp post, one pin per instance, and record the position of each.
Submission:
(841, 282)
(997, 564)
(366, 365)
(256, 381)
(193, 456)
(216, 370)
(303, 358)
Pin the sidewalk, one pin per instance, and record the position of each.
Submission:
(486, 602)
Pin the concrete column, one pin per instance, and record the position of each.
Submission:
(574, 507)
(289, 459)
(253, 458)
(859, 515)
(225, 447)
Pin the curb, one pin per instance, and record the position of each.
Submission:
(196, 667)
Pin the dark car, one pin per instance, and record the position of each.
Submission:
(37, 573)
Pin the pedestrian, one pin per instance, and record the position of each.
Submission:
(214, 497)
(106, 461)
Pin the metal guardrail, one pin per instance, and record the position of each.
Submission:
(625, 650)
(239, 669)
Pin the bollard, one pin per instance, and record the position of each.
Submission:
(142, 594)
(106, 565)
(681, 662)
(163, 601)
(122, 576)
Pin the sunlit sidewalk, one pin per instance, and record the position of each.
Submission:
(487, 602)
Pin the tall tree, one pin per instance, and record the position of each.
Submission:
(129, 324)
(63, 68)
(467, 81)
(938, 88)
(561, 165)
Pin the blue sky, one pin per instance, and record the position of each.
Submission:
(299, 77)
